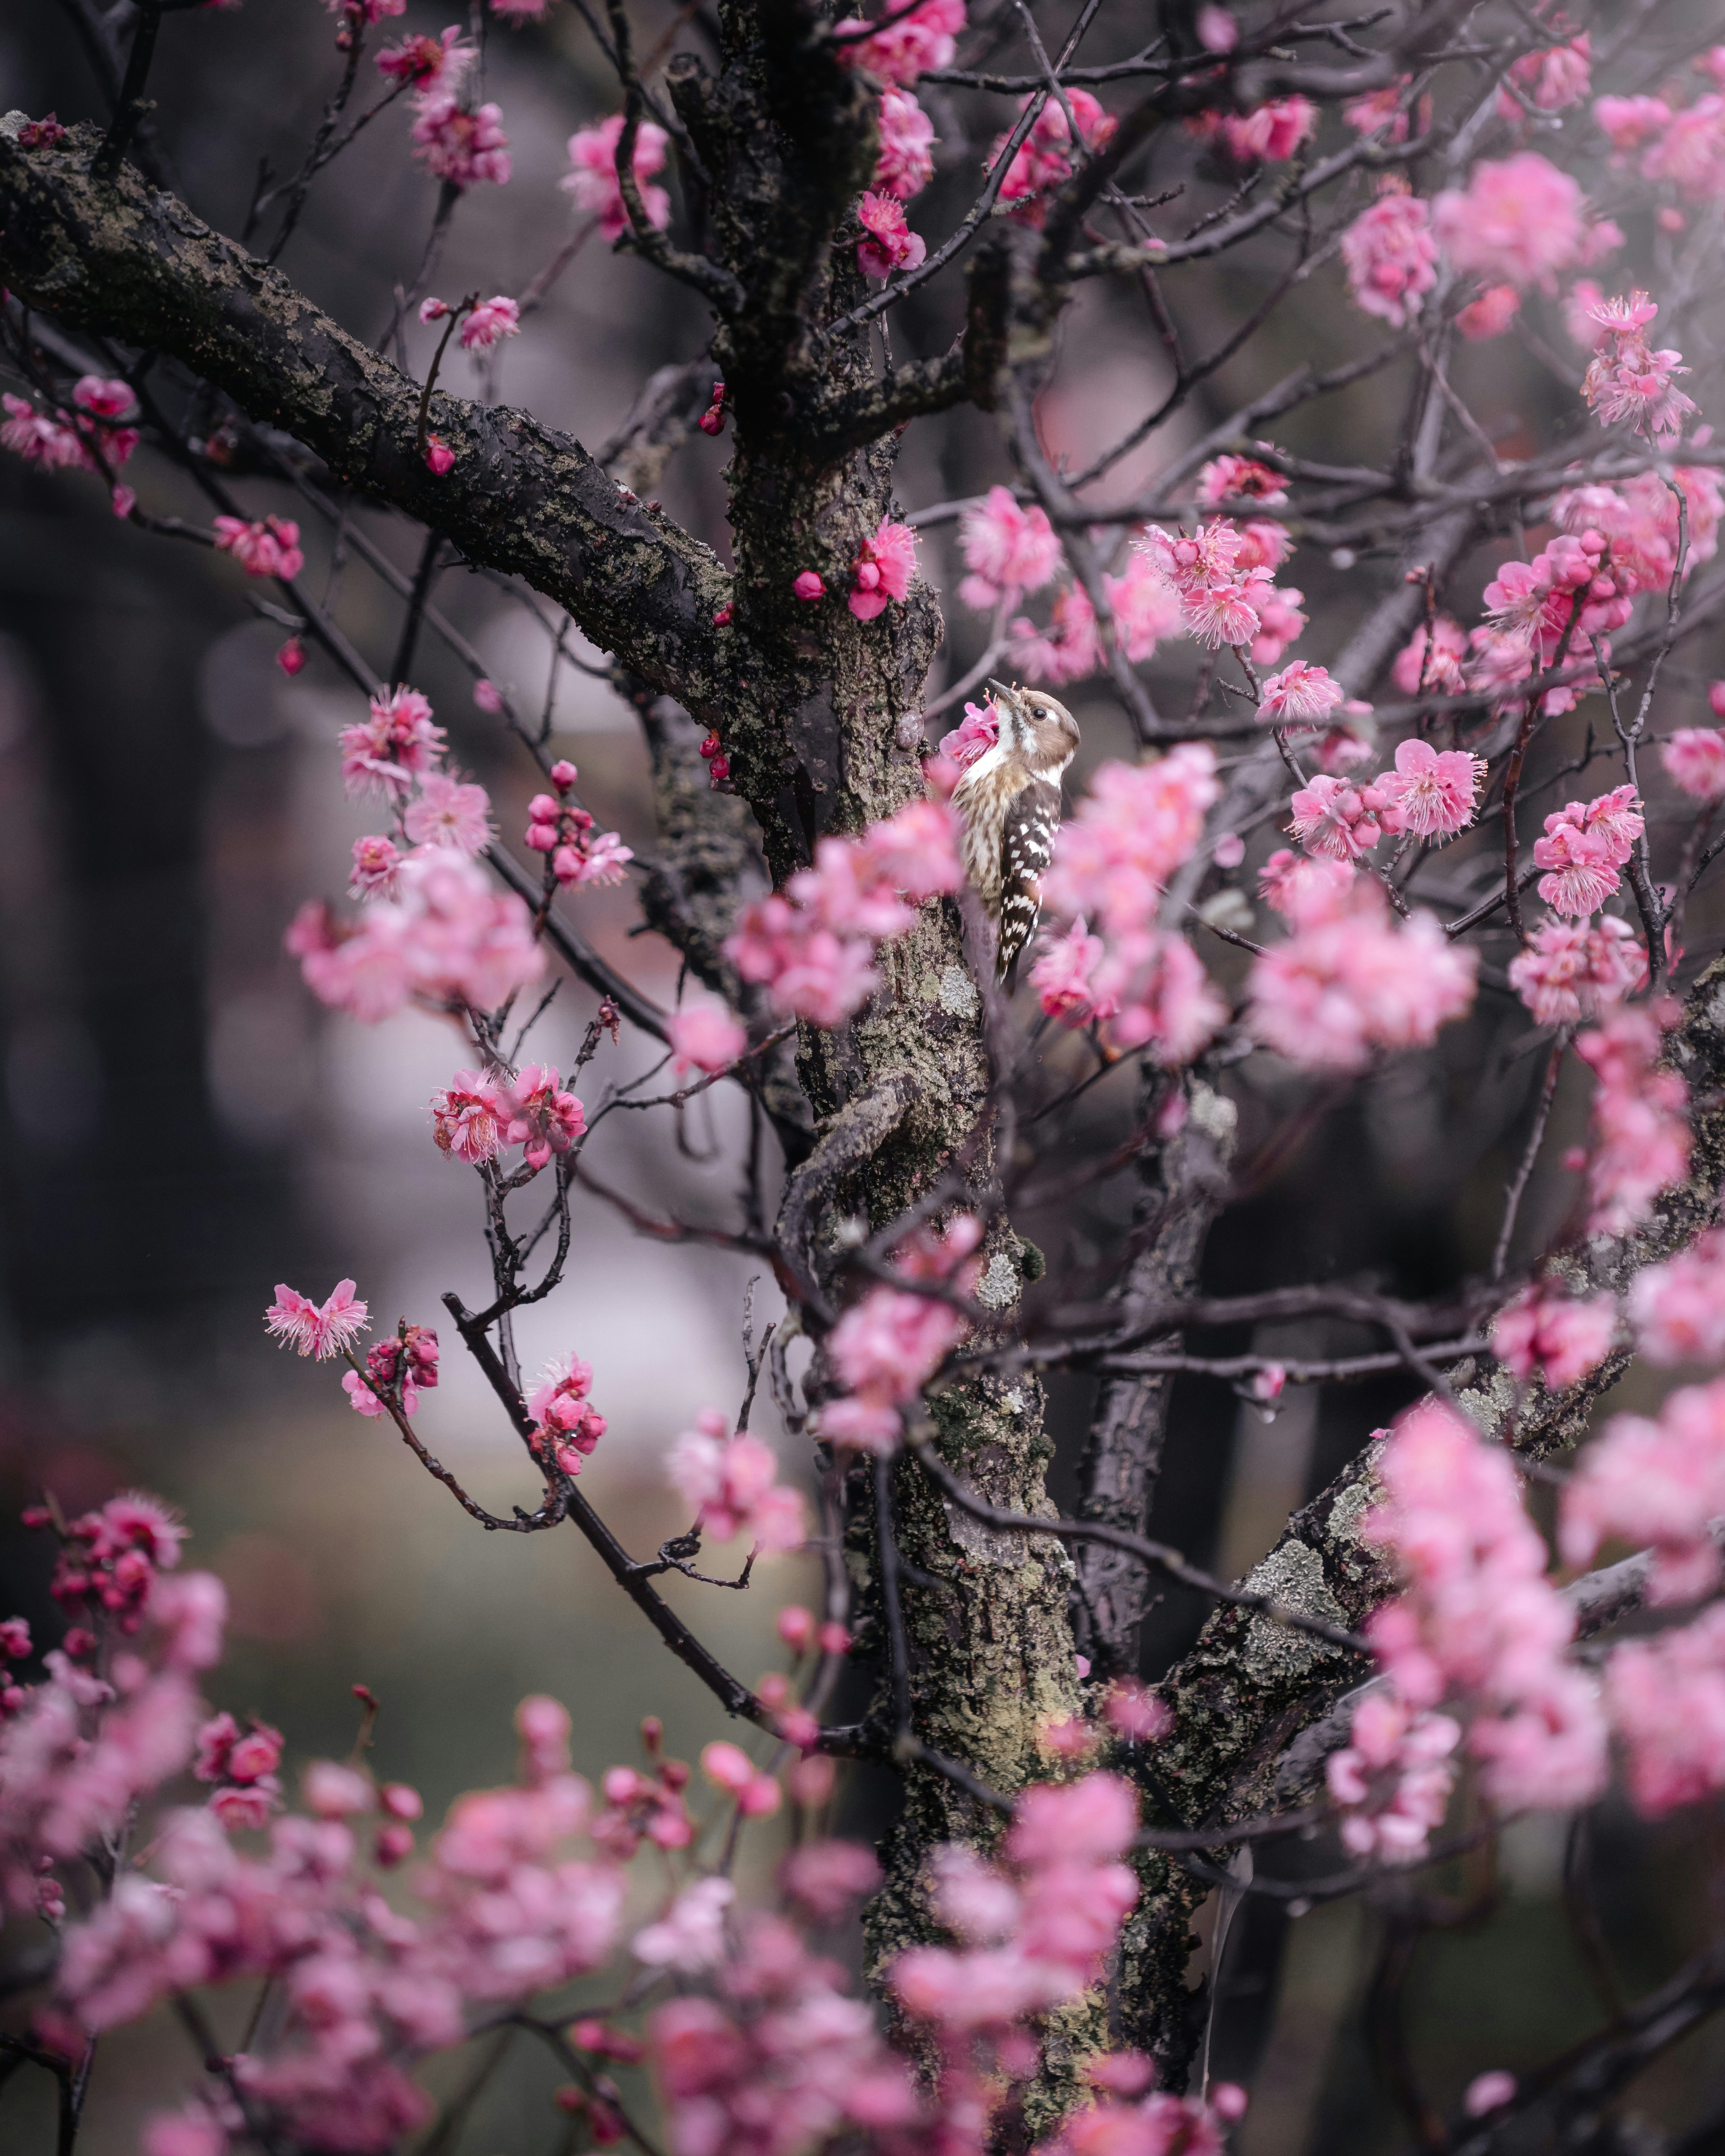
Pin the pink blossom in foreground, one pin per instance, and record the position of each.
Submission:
(1280, 622)
(809, 585)
(1042, 160)
(883, 570)
(1007, 546)
(1488, 2093)
(1678, 1308)
(1630, 123)
(103, 397)
(706, 1037)
(885, 1348)
(1063, 979)
(690, 1936)
(461, 146)
(446, 812)
(1145, 606)
(1556, 602)
(1585, 847)
(1561, 1336)
(1302, 886)
(1138, 824)
(439, 457)
(1331, 817)
(1577, 969)
(1519, 222)
(1490, 315)
(1640, 519)
(1667, 1697)
(581, 854)
(1391, 257)
(488, 322)
(270, 547)
(1267, 135)
(890, 244)
(1641, 1117)
(1694, 759)
(1689, 152)
(731, 1480)
(1347, 981)
(973, 737)
(1299, 694)
(1220, 597)
(320, 1329)
(1654, 1483)
(448, 938)
(592, 178)
(910, 45)
(395, 744)
(1393, 1779)
(544, 1117)
(1431, 792)
(904, 166)
(1627, 380)
(1479, 1620)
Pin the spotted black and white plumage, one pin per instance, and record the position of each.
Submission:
(1010, 800)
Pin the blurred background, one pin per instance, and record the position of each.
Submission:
(181, 1126)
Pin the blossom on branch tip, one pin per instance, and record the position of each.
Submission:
(1391, 257)
(592, 179)
(1585, 847)
(567, 1425)
(1267, 135)
(1042, 160)
(1299, 694)
(1430, 793)
(731, 1480)
(487, 322)
(904, 166)
(909, 45)
(394, 744)
(320, 1329)
(1694, 759)
(890, 244)
(270, 547)
(459, 145)
(1332, 818)
(1576, 969)
(431, 64)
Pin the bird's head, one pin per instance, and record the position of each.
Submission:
(1039, 726)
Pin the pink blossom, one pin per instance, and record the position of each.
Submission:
(487, 696)
(1299, 694)
(1008, 547)
(468, 1118)
(1550, 80)
(1667, 1698)
(439, 457)
(1042, 160)
(909, 45)
(458, 146)
(488, 321)
(1440, 675)
(1138, 824)
(809, 585)
(1068, 649)
(1519, 222)
(1393, 1779)
(732, 1481)
(1166, 1001)
(883, 570)
(567, 1425)
(1347, 981)
(1391, 257)
(1573, 969)
(593, 180)
(1640, 1115)
(973, 737)
(520, 11)
(395, 744)
(544, 1117)
(39, 440)
(267, 548)
(1063, 979)
(1271, 133)
(885, 1348)
(1280, 622)
(904, 166)
(1490, 315)
(320, 1329)
(1431, 792)
(827, 1877)
(375, 862)
(706, 1037)
(1218, 598)
(184, 2133)
(690, 1936)
(1230, 478)
(891, 245)
(1562, 1337)
(1689, 151)
(1145, 606)
(1694, 758)
(1585, 846)
(1678, 1308)
(1217, 30)
(1627, 380)
(447, 813)
(1135, 1712)
(104, 397)
(1629, 123)
(430, 64)
(1333, 818)
(1654, 1483)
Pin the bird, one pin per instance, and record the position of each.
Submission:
(1010, 802)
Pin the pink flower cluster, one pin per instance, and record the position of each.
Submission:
(1640, 1117)
(1145, 606)
(1042, 160)
(1554, 603)
(430, 64)
(87, 438)
(270, 547)
(1391, 256)
(484, 322)
(580, 854)
(1480, 1621)
(1586, 846)
(446, 939)
(395, 744)
(883, 568)
(1430, 793)
(910, 45)
(1550, 79)
(1221, 587)
(1519, 222)
(1627, 380)
(1667, 1697)
(1267, 135)
(1562, 1337)
(474, 1116)
(904, 166)
(1348, 980)
(731, 1479)
(1008, 548)
(889, 244)
(459, 143)
(592, 178)
(814, 946)
(401, 1367)
(885, 1348)
(1678, 1308)
(242, 1768)
(1654, 1483)
(706, 1037)
(1138, 824)
(1393, 1779)
(312, 1328)
(1578, 969)
(567, 1425)
(1684, 147)
(1639, 518)
(1694, 757)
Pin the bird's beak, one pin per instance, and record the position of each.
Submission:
(1003, 694)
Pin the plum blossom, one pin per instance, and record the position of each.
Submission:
(566, 1426)
(1008, 547)
(1440, 674)
(469, 1118)
(376, 859)
(904, 166)
(1220, 597)
(973, 737)
(489, 321)
(1230, 478)
(1333, 818)
(1678, 1308)
(883, 569)
(1267, 135)
(1577, 969)
(1653, 1482)
(908, 45)
(690, 1936)
(1667, 1697)
(1694, 757)
(731, 1480)
(890, 244)
(459, 145)
(1562, 1337)
(395, 744)
(1585, 847)
(1042, 160)
(1517, 222)
(270, 547)
(885, 1348)
(1640, 1117)
(430, 64)
(592, 181)
(1490, 315)
(312, 1328)
(1063, 979)
(1391, 257)
(1068, 649)
(706, 1037)
(1627, 380)
(1145, 606)
(445, 812)
(409, 1358)
(1393, 1779)
(1552, 79)
(1138, 824)
(544, 1117)
(581, 854)
(1430, 793)
(1299, 694)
